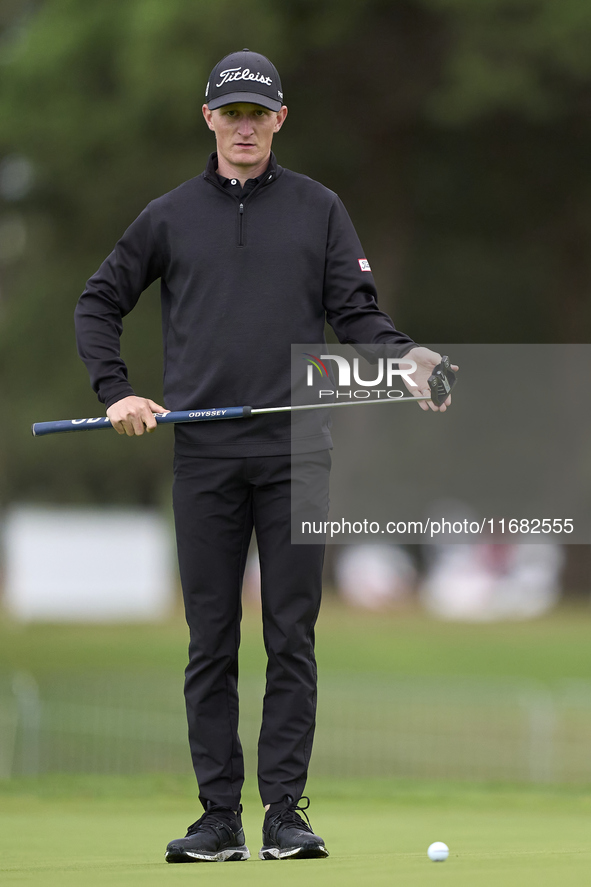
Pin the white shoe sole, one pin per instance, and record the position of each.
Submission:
(232, 854)
(317, 851)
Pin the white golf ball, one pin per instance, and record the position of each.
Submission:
(438, 851)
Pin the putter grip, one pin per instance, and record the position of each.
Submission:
(66, 426)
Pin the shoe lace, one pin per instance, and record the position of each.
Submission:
(215, 818)
(290, 813)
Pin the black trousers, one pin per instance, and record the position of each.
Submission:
(217, 502)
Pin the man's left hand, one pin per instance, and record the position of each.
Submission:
(426, 361)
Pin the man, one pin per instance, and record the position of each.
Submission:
(252, 258)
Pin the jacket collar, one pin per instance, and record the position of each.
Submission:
(272, 172)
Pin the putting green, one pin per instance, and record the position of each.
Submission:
(92, 830)
(61, 831)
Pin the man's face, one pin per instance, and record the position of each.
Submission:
(244, 131)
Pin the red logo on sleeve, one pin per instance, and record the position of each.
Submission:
(364, 264)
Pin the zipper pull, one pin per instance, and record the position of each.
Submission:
(240, 220)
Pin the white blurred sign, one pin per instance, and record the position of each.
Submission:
(87, 565)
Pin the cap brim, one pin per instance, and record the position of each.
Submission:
(250, 97)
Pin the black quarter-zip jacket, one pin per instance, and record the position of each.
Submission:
(242, 278)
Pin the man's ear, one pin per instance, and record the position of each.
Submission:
(281, 115)
(208, 115)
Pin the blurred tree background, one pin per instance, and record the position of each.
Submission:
(457, 133)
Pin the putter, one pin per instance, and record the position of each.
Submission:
(441, 381)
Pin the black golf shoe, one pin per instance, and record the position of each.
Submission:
(216, 837)
(287, 836)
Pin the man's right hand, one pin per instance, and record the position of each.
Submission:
(133, 415)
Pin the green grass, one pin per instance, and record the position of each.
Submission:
(67, 830)
(93, 831)
(348, 641)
